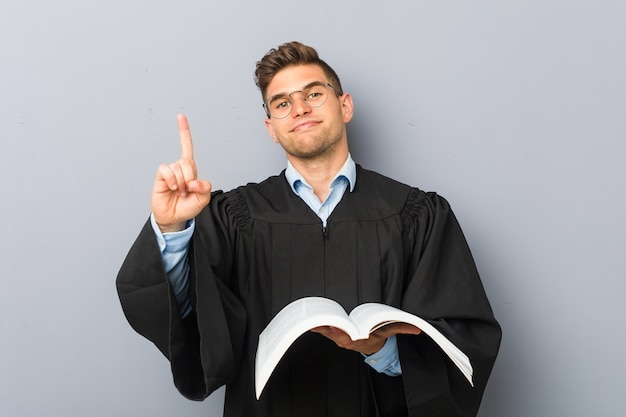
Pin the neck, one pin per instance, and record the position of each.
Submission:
(320, 171)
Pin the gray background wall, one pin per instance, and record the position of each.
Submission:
(514, 111)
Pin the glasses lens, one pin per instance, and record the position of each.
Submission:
(280, 106)
(316, 96)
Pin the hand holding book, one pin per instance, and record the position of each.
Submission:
(328, 316)
(373, 343)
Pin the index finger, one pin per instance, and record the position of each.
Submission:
(186, 146)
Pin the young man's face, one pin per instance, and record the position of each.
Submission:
(308, 132)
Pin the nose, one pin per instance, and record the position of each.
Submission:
(300, 106)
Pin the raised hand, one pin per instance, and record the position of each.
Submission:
(177, 194)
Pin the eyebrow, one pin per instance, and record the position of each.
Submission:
(284, 94)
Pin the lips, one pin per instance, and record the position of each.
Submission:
(308, 124)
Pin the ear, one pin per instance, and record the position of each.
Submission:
(347, 107)
(270, 129)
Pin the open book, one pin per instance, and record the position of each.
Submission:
(307, 313)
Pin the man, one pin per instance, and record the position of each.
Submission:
(210, 270)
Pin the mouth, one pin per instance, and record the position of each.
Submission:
(309, 124)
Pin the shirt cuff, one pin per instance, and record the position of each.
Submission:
(173, 241)
(174, 247)
(387, 359)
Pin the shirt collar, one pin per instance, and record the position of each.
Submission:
(347, 171)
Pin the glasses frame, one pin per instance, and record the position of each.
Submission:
(313, 84)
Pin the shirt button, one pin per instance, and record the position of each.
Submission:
(372, 361)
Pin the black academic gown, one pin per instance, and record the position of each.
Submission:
(259, 247)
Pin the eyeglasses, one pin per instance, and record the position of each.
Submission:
(314, 95)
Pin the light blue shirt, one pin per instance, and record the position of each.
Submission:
(174, 247)
(346, 176)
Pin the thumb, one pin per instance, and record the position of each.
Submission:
(202, 188)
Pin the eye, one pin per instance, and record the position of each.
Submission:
(280, 103)
(315, 94)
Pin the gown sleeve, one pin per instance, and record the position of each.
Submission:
(443, 286)
(204, 349)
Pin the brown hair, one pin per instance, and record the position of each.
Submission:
(287, 55)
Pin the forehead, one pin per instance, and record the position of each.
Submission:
(294, 78)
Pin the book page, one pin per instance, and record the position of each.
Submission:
(372, 316)
(290, 323)
(307, 313)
